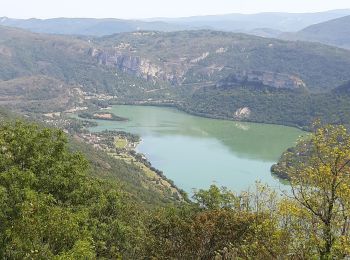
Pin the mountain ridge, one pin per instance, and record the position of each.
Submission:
(204, 72)
(334, 32)
(247, 23)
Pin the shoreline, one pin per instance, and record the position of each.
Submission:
(142, 158)
(106, 141)
(100, 115)
(202, 115)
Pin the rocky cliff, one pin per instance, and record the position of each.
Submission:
(263, 78)
(202, 58)
(175, 71)
(172, 72)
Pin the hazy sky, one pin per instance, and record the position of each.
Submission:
(157, 8)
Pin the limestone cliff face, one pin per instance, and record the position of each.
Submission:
(242, 113)
(141, 67)
(175, 71)
(266, 78)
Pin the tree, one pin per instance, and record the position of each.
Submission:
(320, 181)
(215, 198)
(217, 222)
(51, 208)
(40, 183)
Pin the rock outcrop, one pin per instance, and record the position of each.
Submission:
(141, 67)
(242, 113)
(264, 78)
(174, 71)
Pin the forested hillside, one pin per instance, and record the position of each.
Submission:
(270, 105)
(210, 73)
(44, 73)
(204, 57)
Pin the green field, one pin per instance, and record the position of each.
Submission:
(121, 143)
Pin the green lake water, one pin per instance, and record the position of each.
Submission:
(196, 152)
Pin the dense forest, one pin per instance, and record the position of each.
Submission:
(297, 108)
(55, 205)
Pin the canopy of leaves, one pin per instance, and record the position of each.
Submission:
(50, 207)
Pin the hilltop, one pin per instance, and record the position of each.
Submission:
(335, 32)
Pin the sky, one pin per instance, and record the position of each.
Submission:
(136, 9)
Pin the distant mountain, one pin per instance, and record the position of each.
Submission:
(334, 32)
(287, 22)
(271, 23)
(87, 26)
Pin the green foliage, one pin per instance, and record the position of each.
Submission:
(318, 169)
(214, 198)
(128, 176)
(38, 73)
(100, 115)
(245, 223)
(311, 224)
(270, 105)
(51, 208)
(321, 67)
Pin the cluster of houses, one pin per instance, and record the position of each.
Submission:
(96, 140)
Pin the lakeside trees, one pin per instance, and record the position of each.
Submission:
(320, 185)
(51, 208)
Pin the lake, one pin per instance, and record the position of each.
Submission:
(196, 152)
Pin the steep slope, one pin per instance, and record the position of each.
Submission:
(180, 58)
(236, 76)
(128, 177)
(210, 73)
(36, 93)
(40, 70)
(251, 102)
(197, 58)
(335, 32)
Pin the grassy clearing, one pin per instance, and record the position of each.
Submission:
(121, 143)
(148, 172)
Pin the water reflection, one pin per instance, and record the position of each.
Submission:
(195, 151)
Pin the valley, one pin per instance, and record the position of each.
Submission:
(211, 137)
(205, 73)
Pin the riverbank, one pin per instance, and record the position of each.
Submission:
(122, 145)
